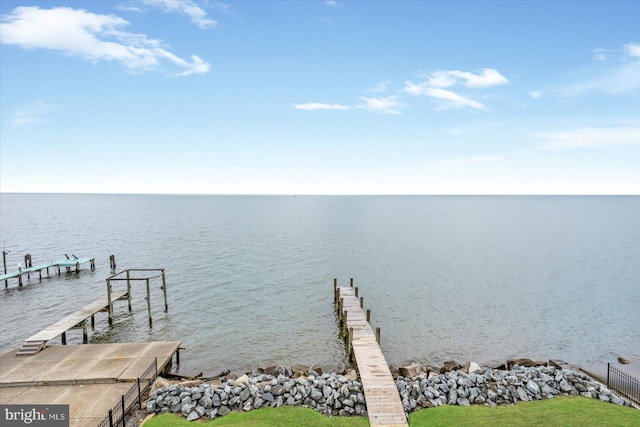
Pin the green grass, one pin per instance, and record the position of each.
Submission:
(267, 417)
(559, 411)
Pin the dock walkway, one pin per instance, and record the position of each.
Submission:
(67, 263)
(384, 406)
(35, 343)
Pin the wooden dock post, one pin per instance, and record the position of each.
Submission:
(164, 290)
(64, 338)
(85, 332)
(350, 345)
(335, 290)
(352, 282)
(129, 290)
(356, 292)
(93, 321)
(28, 264)
(112, 262)
(4, 265)
(149, 304)
(110, 303)
(361, 302)
(378, 335)
(368, 315)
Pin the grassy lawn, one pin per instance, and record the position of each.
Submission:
(559, 411)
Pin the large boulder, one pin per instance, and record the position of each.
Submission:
(450, 365)
(411, 370)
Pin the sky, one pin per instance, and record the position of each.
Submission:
(320, 97)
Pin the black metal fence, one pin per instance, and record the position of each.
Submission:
(623, 383)
(117, 414)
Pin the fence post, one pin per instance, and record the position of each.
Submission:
(110, 417)
(608, 370)
(139, 394)
(123, 413)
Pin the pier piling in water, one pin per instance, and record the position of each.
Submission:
(136, 274)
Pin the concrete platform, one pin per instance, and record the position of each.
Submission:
(90, 378)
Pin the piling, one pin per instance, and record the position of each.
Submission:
(149, 303)
(164, 290)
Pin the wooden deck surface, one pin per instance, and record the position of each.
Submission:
(384, 406)
(75, 318)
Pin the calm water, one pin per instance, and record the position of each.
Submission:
(250, 279)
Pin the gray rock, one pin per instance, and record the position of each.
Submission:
(200, 410)
(533, 387)
(316, 395)
(277, 390)
(463, 401)
(245, 394)
(268, 397)
(453, 396)
(215, 400)
(257, 402)
(151, 406)
(193, 415)
(188, 408)
(522, 395)
(247, 405)
(223, 411)
(206, 402)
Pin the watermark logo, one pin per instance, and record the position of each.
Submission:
(34, 415)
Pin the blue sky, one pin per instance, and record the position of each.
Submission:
(320, 97)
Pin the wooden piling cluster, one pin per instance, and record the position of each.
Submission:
(130, 275)
(384, 406)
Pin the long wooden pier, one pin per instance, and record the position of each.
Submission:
(36, 343)
(384, 406)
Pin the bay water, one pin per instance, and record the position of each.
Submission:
(250, 278)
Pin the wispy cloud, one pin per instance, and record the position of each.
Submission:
(318, 106)
(486, 78)
(38, 112)
(592, 137)
(601, 54)
(445, 99)
(386, 105)
(380, 87)
(311, 106)
(90, 36)
(621, 78)
(436, 82)
(184, 7)
(535, 94)
(331, 3)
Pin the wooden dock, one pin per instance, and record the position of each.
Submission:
(68, 263)
(78, 319)
(384, 406)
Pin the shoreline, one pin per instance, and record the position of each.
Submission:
(341, 394)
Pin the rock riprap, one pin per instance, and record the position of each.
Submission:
(334, 394)
(492, 387)
(330, 394)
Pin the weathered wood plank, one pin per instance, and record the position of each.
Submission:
(384, 406)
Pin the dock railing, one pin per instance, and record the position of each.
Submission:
(117, 414)
(623, 383)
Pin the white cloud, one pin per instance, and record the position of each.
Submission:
(89, 36)
(380, 87)
(436, 82)
(632, 49)
(317, 106)
(592, 137)
(446, 99)
(184, 7)
(331, 3)
(488, 77)
(535, 94)
(34, 113)
(620, 80)
(387, 105)
(601, 54)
